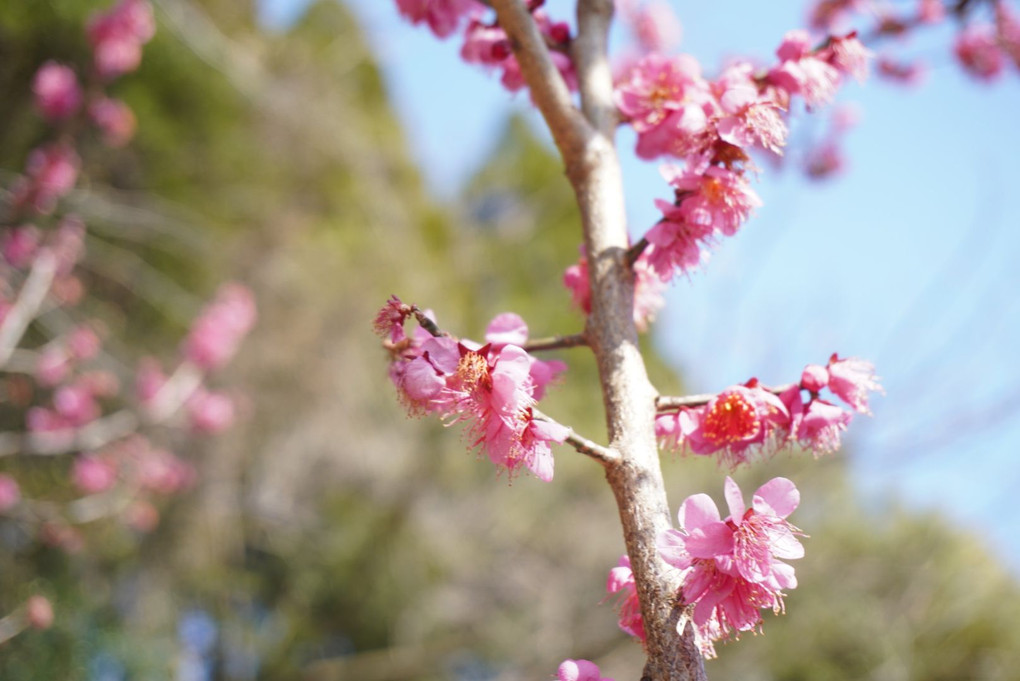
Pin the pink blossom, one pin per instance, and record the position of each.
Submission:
(817, 426)
(389, 321)
(748, 117)
(92, 474)
(814, 378)
(10, 492)
(117, 37)
(621, 581)
(658, 86)
(51, 172)
(579, 670)
(739, 422)
(849, 56)
(210, 412)
(978, 51)
(442, 16)
(677, 245)
(733, 568)
(75, 404)
(851, 380)
(218, 330)
(716, 197)
(19, 245)
(57, 94)
(509, 328)
(114, 119)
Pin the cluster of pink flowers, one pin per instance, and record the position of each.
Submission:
(648, 289)
(491, 387)
(117, 37)
(579, 670)
(746, 422)
(485, 43)
(983, 48)
(713, 125)
(734, 567)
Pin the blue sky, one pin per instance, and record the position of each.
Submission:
(909, 259)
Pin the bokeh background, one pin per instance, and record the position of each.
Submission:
(329, 156)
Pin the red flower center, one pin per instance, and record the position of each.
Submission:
(731, 419)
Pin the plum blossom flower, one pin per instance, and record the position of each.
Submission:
(733, 568)
(851, 380)
(579, 670)
(210, 412)
(56, 89)
(739, 422)
(621, 581)
(19, 245)
(817, 425)
(978, 51)
(717, 197)
(492, 388)
(218, 330)
(654, 25)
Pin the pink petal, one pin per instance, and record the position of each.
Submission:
(697, 511)
(778, 496)
(507, 328)
(710, 540)
(734, 499)
(673, 549)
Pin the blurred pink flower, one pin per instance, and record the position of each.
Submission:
(210, 412)
(579, 670)
(10, 492)
(57, 94)
(621, 581)
(117, 37)
(114, 119)
(92, 474)
(218, 330)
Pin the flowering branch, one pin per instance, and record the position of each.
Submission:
(668, 402)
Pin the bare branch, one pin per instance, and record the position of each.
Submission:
(594, 75)
(548, 90)
(603, 455)
(556, 342)
(30, 298)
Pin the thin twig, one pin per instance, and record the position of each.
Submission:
(668, 402)
(556, 342)
(604, 455)
(635, 251)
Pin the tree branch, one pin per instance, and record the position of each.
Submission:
(667, 402)
(583, 445)
(556, 342)
(569, 129)
(30, 298)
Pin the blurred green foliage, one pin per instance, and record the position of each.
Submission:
(330, 537)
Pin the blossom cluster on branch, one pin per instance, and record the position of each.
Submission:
(67, 393)
(708, 129)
